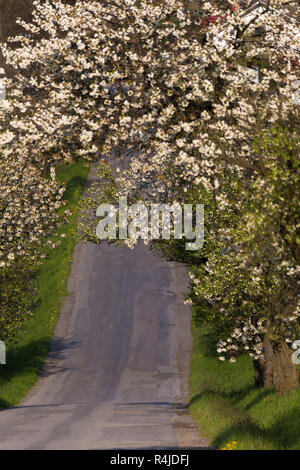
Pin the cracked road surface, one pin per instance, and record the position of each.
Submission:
(117, 373)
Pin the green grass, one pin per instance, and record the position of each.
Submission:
(228, 408)
(25, 358)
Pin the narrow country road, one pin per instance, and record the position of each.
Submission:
(117, 374)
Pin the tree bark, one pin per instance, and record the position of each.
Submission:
(259, 372)
(285, 371)
(269, 362)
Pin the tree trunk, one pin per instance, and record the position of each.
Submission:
(259, 372)
(269, 362)
(285, 371)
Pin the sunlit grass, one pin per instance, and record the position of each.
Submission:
(229, 408)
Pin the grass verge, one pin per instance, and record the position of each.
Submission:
(26, 357)
(230, 411)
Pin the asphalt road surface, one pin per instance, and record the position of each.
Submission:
(117, 374)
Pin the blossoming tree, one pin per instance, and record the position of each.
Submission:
(191, 97)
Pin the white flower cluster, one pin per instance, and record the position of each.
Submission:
(28, 209)
(247, 337)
